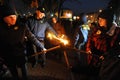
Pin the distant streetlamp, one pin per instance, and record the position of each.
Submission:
(100, 10)
(68, 15)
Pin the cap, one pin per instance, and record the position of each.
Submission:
(106, 14)
(6, 10)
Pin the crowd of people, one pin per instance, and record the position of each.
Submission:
(20, 39)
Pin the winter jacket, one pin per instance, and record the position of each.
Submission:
(12, 39)
(39, 27)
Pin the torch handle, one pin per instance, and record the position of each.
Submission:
(53, 48)
(43, 52)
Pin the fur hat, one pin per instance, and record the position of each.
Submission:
(41, 9)
(6, 10)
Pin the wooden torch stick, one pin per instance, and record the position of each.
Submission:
(43, 52)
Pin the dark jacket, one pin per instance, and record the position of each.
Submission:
(12, 40)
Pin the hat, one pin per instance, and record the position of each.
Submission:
(106, 14)
(6, 10)
(41, 9)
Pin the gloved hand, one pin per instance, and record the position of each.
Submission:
(44, 50)
(89, 52)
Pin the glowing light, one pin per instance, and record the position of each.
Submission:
(78, 17)
(91, 16)
(87, 16)
(68, 15)
(51, 36)
(60, 38)
(74, 17)
(100, 10)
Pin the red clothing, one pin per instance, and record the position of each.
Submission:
(100, 41)
(106, 43)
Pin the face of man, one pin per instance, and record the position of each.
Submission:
(39, 14)
(102, 22)
(10, 20)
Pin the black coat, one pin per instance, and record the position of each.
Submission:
(12, 42)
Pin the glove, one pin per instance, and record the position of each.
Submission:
(44, 50)
(89, 52)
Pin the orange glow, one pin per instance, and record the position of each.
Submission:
(62, 38)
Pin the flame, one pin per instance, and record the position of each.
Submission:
(51, 36)
(60, 38)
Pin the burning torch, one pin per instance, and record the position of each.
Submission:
(61, 39)
(63, 42)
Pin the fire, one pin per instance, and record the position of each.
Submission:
(51, 36)
(62, 38)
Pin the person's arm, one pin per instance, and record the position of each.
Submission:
(29, 22)
(77, 37)
(32, 38)
(88, 45)
(50, 29)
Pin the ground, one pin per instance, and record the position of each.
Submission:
(56, 69)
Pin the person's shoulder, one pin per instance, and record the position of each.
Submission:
(20, 23)
(46, 22)
(118, 27)
(117, 31)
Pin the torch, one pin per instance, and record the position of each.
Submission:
(45, 51)
(63, 42)
(60, 39)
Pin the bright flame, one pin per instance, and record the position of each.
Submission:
(51, 36)
(61, 38)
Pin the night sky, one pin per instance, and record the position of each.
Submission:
(79, 6)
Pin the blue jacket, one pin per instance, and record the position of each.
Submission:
(80, 36)
(39, 27)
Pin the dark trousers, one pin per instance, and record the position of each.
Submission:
(15, 62)
(110, 68)
(31, 50)
(13, 69)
